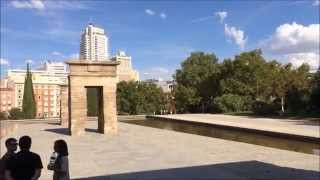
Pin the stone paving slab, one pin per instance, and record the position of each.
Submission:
(139, 152)
(295, 127)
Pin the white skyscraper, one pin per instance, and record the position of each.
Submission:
(94, 44)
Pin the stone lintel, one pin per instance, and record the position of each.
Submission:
(93, 68)
(86, 62)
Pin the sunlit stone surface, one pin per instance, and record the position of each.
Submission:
(139, 152)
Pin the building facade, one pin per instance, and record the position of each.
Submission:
(7, 97)
(94, 44)
(46, 84)
(166, 86)
(125, 71)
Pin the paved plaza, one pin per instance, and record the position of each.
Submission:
(140, 152)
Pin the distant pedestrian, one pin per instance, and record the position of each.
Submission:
(59, 161)
(26, 164)
(11, 145)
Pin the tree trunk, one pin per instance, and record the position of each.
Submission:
(282, 105)
(202, 107)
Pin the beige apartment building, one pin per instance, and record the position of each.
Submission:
(46, 84)
(7, 97)
(124, 70)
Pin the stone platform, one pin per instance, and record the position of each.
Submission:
(298, 127)
(139, 152)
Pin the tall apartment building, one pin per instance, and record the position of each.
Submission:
(124, 69)
(46, 84)
(94, 44)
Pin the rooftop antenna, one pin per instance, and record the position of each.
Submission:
(90, 21)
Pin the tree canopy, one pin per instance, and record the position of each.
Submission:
(140, 98)
(247, 82)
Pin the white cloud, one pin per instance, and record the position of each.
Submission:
(293, 38)
(222, 15)
(159, 73)
(30, 61)
(297, 59)
(31, 4)
(63, 4)
(316, 3)
(236, 35)
(74, 56)
(163, 15)
(48, 4)
(201, 19)
(296, 43)
(56, 53)
(4, 61)
(150, 12)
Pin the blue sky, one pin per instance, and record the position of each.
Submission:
(159, 35)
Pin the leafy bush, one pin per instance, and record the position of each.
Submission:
(3, 115)
(232, 103)
(140, 98)
(16, 113)
(261, 107)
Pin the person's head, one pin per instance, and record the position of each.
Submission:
(11, 144)
(61, 147)
(25, 143)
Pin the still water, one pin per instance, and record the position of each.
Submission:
(257, 138)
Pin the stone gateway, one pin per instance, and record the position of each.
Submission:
(90, 74)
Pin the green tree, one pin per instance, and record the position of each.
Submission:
(243, 75)
(197, 82)
(315, 95)
(299, 89)
(140, 98)
(28, 103)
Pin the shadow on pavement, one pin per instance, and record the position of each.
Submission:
(63, 131)
(91, 130)
(235, 170)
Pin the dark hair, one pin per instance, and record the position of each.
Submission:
(25, 142)
(9, 140)
(61, 147)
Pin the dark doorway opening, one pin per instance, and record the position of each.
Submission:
(95, 106)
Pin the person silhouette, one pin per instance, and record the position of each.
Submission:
(11, 145)
(25, 165)
(59, 161)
